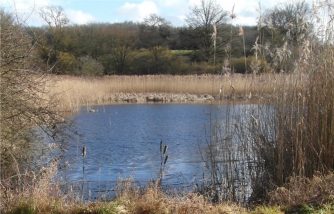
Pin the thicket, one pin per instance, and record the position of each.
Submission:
(23, 104)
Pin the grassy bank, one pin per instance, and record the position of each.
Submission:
(300, 195)
(74, 92)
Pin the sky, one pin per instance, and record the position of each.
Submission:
(111, 11)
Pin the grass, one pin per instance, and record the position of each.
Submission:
(130, 199)
(74, 92)
(302, 191)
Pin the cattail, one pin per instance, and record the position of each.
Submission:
(166, 158)
(84, 152)
(165, 149)
(161, 146)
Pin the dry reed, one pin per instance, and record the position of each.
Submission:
(300, 190)
(74, 92)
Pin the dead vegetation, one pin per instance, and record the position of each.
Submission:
(74, 92)
(300, 190)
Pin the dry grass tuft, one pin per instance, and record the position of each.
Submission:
(152, 200)
(36, 188)
(129, 200)
(300, 190)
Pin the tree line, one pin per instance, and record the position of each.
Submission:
(207, 44)
(153, 46)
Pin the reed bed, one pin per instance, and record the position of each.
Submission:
(292, 136)
(74, 92)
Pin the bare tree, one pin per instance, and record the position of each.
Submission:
(54, 16)
(291, 21)
(203, 19)
(155, 31)
(208, 13)
(122, 44)
(288, 27)
(154, 20)
(56, 20)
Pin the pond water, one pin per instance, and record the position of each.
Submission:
(123, 141)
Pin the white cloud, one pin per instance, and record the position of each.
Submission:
(193, 3)
(25, 6)
(182, 17)
(28, 11)
(246, 11)
(79, 17)
(170, 3)
(138, 11)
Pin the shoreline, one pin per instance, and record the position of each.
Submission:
(73, 92)
(181, 98)
(168, 98)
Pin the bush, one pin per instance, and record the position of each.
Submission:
(157, 60)
(185, 53)
(253, 65)
(107, 63)
(163, 61)
(23, 99)
(204, 68)
(139, 62)
(198, 56)
(238, 65)
(67, 63)
(90, 67)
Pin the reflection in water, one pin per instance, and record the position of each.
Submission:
(123, 141)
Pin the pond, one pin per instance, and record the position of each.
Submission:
(123, 141)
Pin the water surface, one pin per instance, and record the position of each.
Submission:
(124, 141)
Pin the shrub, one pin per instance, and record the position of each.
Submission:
(253, 65)
(139, 62)
(67, 63)
(185, 53)
(107, 63)
(23, 102)
(204, 68)
(90, 67)
(157, 60)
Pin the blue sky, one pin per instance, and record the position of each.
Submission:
(175, 11)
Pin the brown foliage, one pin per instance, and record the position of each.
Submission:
(22, 90)
(300, 190)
